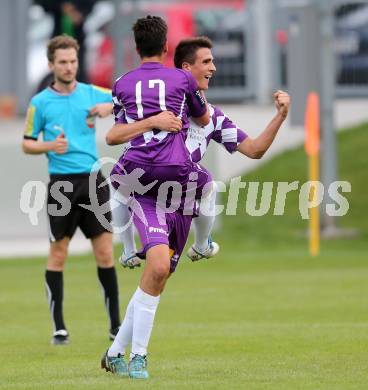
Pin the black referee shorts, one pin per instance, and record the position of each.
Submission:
(66, 194)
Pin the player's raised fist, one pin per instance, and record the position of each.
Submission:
(282, 102)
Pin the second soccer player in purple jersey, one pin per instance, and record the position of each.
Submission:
(162, 156)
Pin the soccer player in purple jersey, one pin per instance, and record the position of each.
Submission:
(146, 91)
(195, 56)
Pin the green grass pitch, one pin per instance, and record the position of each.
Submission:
(262, 315)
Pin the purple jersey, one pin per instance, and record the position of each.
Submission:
(221, 129)
(147, 91)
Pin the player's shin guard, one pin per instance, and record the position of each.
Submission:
(203, 224)
(124, 336)
(122, 218)
(145, 307)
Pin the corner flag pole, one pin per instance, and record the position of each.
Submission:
(312, 143)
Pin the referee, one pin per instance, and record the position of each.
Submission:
(65, 113)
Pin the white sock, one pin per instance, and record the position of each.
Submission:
(203, 224)
(124, 336)
(145, 306)
(124, 225)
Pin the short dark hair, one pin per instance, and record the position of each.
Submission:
(150, 35)
(186, 50)
(60, 42)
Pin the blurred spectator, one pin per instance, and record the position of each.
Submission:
(69, 18)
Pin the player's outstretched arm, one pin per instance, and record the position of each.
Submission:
(32, 146)
(124, 132)
(257, 147)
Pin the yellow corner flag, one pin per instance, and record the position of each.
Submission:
(312, 141)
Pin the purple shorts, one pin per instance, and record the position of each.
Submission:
(179, 185)
(155, 228)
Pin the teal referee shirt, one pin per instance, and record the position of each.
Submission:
(52, 113)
